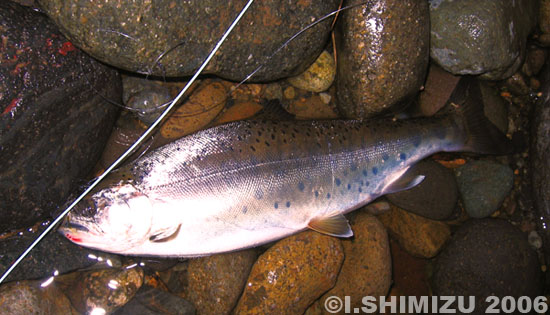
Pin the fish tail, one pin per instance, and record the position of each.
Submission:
(480, 134)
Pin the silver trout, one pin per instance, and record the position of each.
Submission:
(247, 183)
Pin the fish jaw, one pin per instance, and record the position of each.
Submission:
(106, 224)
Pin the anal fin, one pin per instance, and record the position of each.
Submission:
(407, 181)
(336, 225)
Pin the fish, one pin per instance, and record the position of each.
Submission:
(248, 183)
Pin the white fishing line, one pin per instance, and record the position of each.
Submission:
(133, 147)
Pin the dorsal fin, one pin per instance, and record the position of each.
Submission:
(336, 225)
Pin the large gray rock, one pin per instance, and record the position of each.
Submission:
(382, 55)
(481, 37)
(54, 116)
(172, 38)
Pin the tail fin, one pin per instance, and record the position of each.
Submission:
(466, 103)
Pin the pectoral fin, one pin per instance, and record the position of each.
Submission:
(166, 235)
(336, 225)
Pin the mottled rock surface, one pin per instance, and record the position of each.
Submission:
(435, 197)
(419, 236)
(54, 119)
(152, 301)
(318, 77)
(383, 50)
(367, 265)
(480, 37)
(487, 257)
(108, 289)
(28, 297)
(172, 38)
(292, 274)
(215, 283)
(483, 185)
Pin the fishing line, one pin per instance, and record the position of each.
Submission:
(129, 150)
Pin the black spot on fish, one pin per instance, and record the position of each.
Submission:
(257, 140)
(259, 194)
(360, 189)
(328, 195)
(316, 193)
(272, 136)
(367, 183)
(349, 186)
(245, 209)
(288, 204)
(301, 186)
(253, 148)
(402, 156)
(240, 138)
(267, 144)
(259, 133)
(365, 173)
(353, 167)
(337, 181)
(385, 157)
(375, 170)
(276, 205)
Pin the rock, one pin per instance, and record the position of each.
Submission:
(410, 276)
(215, 282)
(534, 61)
(145, 98)
(487, 37)
(544, 21)
(53, 253)
(439, 86)
(494, 107)
(435, 197)
(367, 265)
(539, 153)
(518, 84)
(108, 289)
(419, 236)
(318, 77)
(151, 301)
(29, 297)
(483, 185)
(54, 119)
(245, 102)
(292, 274)
(168, 38)
(487, 257)
(198, 111)
(382, 55)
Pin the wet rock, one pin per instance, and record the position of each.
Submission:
(544, 22)
(382, 55)
(245, 101)
(145, 98)
(53, 253)
(151, 301)
(435, 197)
(494, 106)
(304, 104)
(29, 297)
(292, 274)
(534, 61)
(540, 159)
(54, 119)
(215, 283)
(419, 236)
(439, 86)
(487, 37)
(318, 77)
(410, 276)
(198, 111)
(483, 185)
(168, 38)
(108, 289)
(367, 265)
(487, 257)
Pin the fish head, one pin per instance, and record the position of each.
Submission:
(113, 219)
